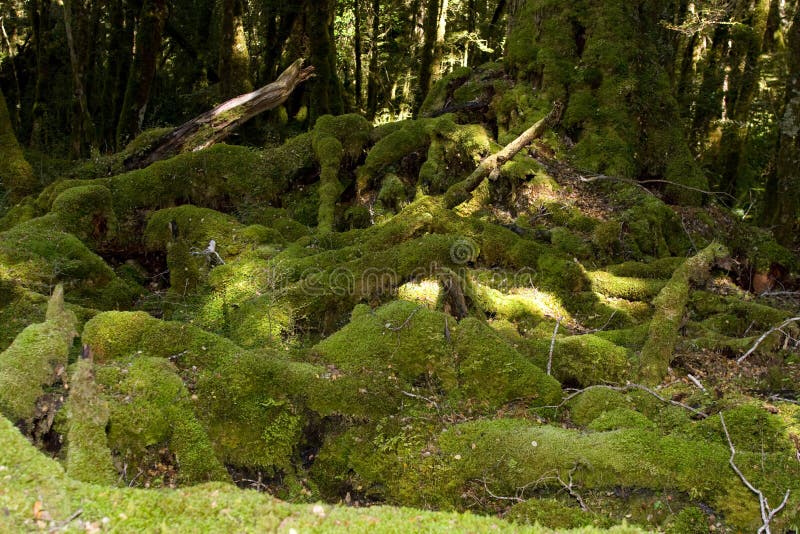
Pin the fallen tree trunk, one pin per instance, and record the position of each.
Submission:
(462, 191)
(215, 125)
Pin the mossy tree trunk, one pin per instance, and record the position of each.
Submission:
(16, 175)
(234, 59)
(143, 69)
(788, 162)
(427, 52)
(39, 13)
(610, 63)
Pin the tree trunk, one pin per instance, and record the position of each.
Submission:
(39, 12)
(374, 55)
(76, 24)
(143, 69)
(427, 55)
(215, 125)
(16, 175)
(325, 92)
(788, 164)
(357, 47)
(234, 59)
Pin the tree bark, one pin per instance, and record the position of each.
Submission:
(76, 20)
(374, 55)
(143, 69)
(461, 192)
(215, 125)
(16, 175)
(357, 47)
(234, 59)
(788, 164)
(430, 32)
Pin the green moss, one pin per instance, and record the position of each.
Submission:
(567, 242)
(32, 477)
(660, 268)
(88, 456)
(587, 359)
(625, 287)
(150, 407)
(670, 307)
(16, 174)
(35, 360)
(620, 418)
(552, 513)
(403, 343)
(86, 212)
(334, 140)
(393, 193)
(690, 520)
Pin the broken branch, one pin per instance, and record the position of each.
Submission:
(462, 191)
(758, 342)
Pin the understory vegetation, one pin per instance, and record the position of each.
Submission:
(304, 334)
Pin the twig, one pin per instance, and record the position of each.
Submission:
(627, 387)
(767, 514)
(398, 328)
(422, 398)
(570, 488)
(64, 524)
(695, 381)
(605, 325)
(764, 336)
(552, 346)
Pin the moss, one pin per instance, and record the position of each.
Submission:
(334, 140)
(593, 403)
(492, 372)
(23, 211)
(606, 237)
(436, 98)
(552, 513)
(588, 359)
(751, 427)
(242, 397)
(86, 212)
(32, 477)
(88, 456)
(625, 287)
(35, 360)
(670, 307)
(690, 520)
(507, 454)
(659, 268)
(401, 344)
(620, 418)
(393, 193)
(569, 243)
(16, 174)
(149, 407)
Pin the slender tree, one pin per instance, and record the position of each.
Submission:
(143, 69)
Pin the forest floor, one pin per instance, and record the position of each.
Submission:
(310, 320)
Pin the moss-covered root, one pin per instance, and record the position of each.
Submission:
(28, 476)
(16, 174)
(35, 359)
(670, 305)
(334, 140)
(88, 455)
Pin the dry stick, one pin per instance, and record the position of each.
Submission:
(552, 346)
(571, 488)
(767, 514)
(627, 387)
(695, 381)
(461, 192)
(744, 356)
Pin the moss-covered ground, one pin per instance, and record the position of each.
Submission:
(304, 337)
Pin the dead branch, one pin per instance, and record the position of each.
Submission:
(767, 513)
(744, 356)
(571, 488)
(490, 167)
(216, 125)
